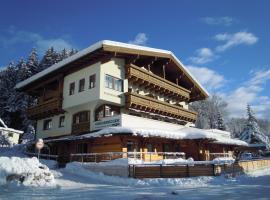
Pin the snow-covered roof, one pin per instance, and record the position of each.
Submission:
(11, 130)
(116, 46)
(2, 123)
(3, 127)
(187, 133)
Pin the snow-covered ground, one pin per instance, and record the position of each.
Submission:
(75, 182)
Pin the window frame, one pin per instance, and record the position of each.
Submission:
(114, 83)
(46, 125)
(60, 122)
(81, 85)
(77, 117)
(92, 81)
(72, 88)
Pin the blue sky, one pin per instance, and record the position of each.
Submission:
(225, 44)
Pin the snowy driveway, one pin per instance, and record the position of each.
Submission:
(74, 186)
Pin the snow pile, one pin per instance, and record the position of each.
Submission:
(27, 171)
(79, 170)
(223, 160)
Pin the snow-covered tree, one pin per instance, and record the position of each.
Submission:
(252, 134)
(208, 112)
(51, 57)
(33, 62)
(220, 122)
(28, 135)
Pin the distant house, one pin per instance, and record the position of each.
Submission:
(112, 84)
(8, 136)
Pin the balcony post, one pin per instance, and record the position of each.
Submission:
(164, 72)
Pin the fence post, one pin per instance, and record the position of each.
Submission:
(134, 174)
(188, 175)
(160, 171)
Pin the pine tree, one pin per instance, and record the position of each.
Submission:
(64, 54)
(51, 57)
(33, 62)
(220, 122)
(72, 52)
(252, 133)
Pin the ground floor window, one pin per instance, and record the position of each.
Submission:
(150, 148)
(81, 117)
(81, 148)
(132, 146)
(106, 111)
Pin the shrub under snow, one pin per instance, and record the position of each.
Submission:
(27, 171)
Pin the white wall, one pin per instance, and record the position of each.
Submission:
(115, 68)
(85, 96)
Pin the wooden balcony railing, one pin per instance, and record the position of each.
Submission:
(45, 109)
(82, 127)
(149, 104)
(151, 80)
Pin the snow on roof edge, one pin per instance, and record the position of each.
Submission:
(183, 133)
(96, 46)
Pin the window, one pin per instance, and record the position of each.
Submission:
(113, 83)
(149, 148)
(81, 117)
(106, 111)
(132, 146)
(47, 125)
(62, 121)
(81, 85)
(10, 134)
(71, 88)
(81, 148)
(166, 148)
(92, 81)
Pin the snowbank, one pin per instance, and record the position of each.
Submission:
(28, 171)
(77, 169)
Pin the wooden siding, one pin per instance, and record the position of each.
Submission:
(152, 81)
(45, 109)
(149, 104)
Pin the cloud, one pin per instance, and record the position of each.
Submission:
(203, 55)
(249, 92)
(224, 21)
(210, 79)
(140, 39)
(14, 37)
(236, 39)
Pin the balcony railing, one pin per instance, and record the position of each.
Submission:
(82, 127)
(45, 109)
(149, 104)
(157, 83)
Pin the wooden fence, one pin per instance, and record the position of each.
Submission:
(180, 171)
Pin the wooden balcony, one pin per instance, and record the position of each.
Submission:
(45, 109)
(82, 127)
(152, 81)
(149, 104)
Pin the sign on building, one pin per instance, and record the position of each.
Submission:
(107, 122)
